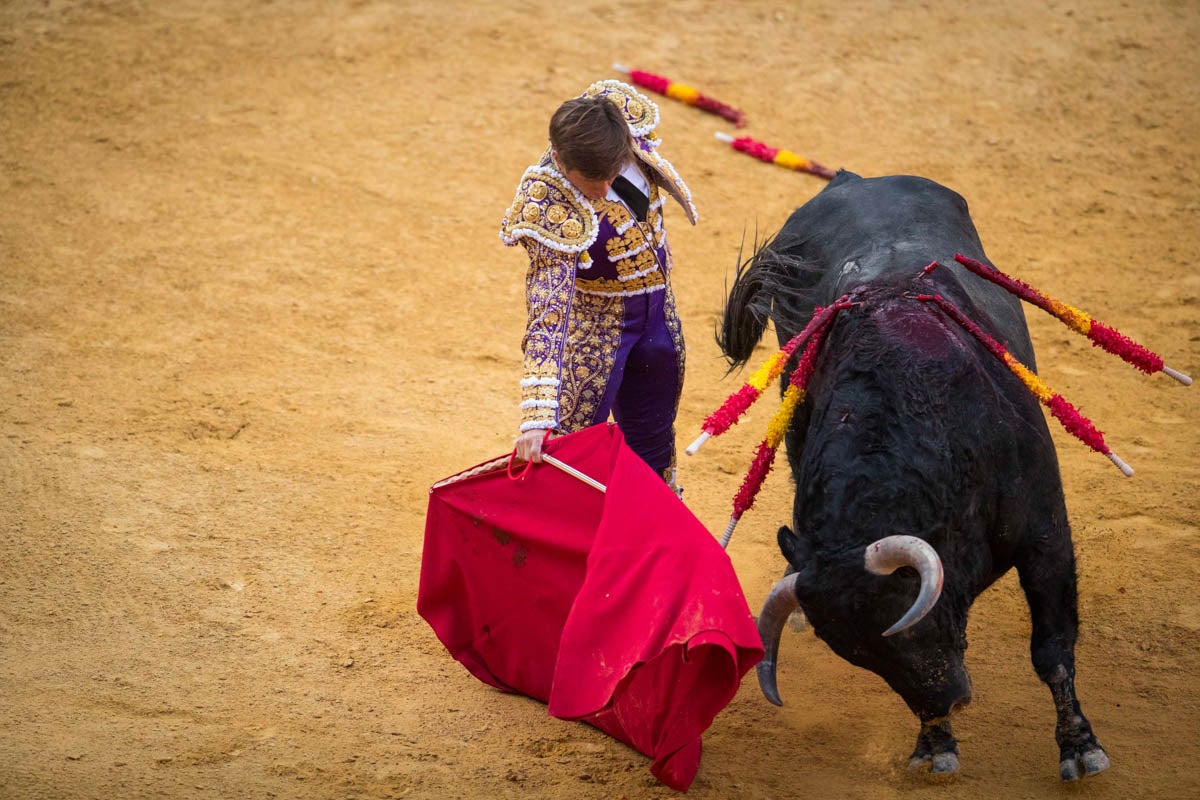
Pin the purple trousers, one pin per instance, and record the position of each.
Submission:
(646, 380)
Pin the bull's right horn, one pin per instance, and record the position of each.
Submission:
(780, 603)
(892, 552)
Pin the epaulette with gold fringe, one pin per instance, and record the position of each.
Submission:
(548, 209)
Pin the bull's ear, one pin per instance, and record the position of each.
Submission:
(796, 549)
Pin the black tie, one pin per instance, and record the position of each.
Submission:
(638, 203)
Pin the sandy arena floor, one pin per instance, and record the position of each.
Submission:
(253, 303)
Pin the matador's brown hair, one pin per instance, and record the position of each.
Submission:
(591, 137)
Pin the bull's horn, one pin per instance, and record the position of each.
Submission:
(892, 552)
(780, 603)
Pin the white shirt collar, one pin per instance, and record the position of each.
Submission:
(634, 175)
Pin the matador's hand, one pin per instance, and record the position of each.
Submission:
(529, 445)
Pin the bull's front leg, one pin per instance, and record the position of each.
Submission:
(948, 691)
(1077, 745)
(1048, 578)
(936, 747)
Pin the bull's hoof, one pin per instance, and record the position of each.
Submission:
(944, 763)
(940, 764)
(936, 748)
(1091, 762)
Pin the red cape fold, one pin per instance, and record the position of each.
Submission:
(618, 609)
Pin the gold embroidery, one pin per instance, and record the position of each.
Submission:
(641, 114)
(619, 246)
(617, 213)
(648, 231)
(573, 227)
(541, 393)
(673, 324)
(633, 254)
(608, 286)
(643, 262)
(548, 287)
(593, 339)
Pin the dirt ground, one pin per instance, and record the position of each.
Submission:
(253, 303)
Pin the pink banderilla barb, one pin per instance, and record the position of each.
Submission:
(1076, 424)
(773, 155)
(764, 454)
(1101, 335)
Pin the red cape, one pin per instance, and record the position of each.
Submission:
(619, 608)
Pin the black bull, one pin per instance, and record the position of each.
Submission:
(911, 427)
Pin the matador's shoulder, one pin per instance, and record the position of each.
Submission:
(549, 210)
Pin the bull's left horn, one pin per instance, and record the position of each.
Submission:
(780, 603)
(892, 552)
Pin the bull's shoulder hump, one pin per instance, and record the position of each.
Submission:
(886, 197)
(843, 177)
(914, 186)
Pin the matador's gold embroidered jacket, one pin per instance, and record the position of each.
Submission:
(585, 258)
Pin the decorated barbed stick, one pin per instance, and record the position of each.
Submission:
(764, 454)
(773, 155)
(1076, 424)
(1101, 335)
(736, 404)
(684, 94)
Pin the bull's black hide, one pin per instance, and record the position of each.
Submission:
(911, 427)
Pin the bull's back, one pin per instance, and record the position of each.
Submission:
(877, 221)
(881, 232)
